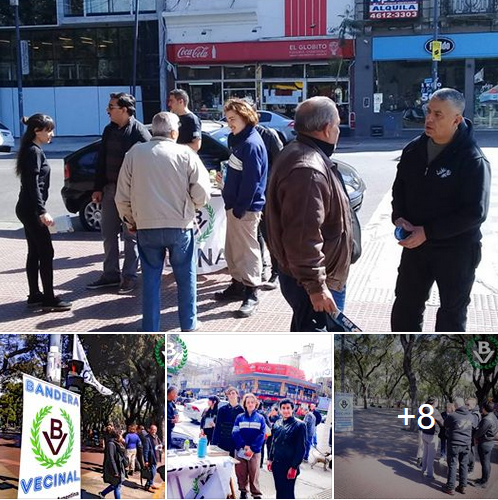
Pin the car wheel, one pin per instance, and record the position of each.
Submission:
(90, 215)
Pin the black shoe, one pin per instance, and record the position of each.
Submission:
(481, 485)
(243, 494)
(460, 489)
(233, 293)
(249, 305)
(447, 490)
(35, 299)
(56, 305)
(103, 283)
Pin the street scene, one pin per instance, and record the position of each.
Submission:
(384, 447)
(109, 439)
(158, 166)
(250, 419)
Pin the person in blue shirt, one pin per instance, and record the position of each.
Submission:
(132, 443)
(244, 197)
(249, 434)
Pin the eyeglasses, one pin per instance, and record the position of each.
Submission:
(113, 107)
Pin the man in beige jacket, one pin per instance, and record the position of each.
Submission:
(160, 185)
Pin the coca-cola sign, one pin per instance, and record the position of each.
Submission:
(198, 52)
(261, 51)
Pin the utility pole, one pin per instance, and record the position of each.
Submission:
(435, 37)
(15, 4)
(54, 359)
(135, 51)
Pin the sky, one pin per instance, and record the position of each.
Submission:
(254, 347)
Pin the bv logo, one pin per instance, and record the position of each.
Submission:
(482, 352)
(443, 172)
(56, 434)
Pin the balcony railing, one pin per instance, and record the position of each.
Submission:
(468, 7)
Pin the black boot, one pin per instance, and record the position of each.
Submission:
(233, 293)
(250, 303)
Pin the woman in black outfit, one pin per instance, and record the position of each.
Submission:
(34, 171)
(209, 416)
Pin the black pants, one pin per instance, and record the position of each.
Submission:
(169, 430)
(453, 270)
(283, 486)
(263, 240)
(485, 450)
(40, 253)
(305, 318)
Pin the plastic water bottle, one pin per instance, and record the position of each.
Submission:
(186, 445)
(202, 447)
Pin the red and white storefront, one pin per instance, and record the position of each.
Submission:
(277, 74)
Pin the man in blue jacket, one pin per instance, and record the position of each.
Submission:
(249, 435)
(244, 197)
(440, 200)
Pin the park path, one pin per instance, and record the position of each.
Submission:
(378, 460)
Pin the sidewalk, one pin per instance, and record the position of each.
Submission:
(370, 289)
(378, 460)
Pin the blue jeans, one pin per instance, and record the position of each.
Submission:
(150, 482)
(314, 441)
(116, 489)
(458, 457)
(308, 448)
(305, 318)
(152, 245)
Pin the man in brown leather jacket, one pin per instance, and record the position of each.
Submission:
(309, 219)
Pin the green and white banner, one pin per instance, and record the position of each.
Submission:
(50, 447)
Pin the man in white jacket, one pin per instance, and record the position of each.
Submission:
(160, 185)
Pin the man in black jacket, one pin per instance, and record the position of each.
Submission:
(440, 200)
(173, 417)
(485, 440)
(287, 450)
(222, 435)
(118, 137)
(459, 435)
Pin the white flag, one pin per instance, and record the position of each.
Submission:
(479, 76)
(87, 373)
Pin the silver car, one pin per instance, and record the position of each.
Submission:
(6, 139)
(194, 410)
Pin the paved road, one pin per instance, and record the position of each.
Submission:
(378, 460)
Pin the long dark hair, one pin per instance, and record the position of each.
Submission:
(34, 123)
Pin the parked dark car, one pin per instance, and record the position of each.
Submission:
(79, 177)
(80, 167)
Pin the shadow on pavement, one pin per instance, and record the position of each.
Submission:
(87, 494)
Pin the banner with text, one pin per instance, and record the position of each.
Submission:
(50, 448)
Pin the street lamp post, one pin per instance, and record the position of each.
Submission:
(135, 50)
(436, 35)
(15, 4)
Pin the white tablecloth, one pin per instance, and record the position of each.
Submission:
(193, 477)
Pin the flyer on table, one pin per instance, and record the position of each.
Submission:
(50, 448)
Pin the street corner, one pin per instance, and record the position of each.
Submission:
(415, 416)
(82, 416)
(234, 418)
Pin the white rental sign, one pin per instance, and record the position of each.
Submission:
(50, 450)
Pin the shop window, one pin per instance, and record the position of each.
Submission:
(283, 71)
(240, 90)
(282, 97)
(405, 87)
(336, 68)
(486, 93)
(239, 72)
(42, 44)
(338, 91)
(108, 42)
(85, 43)
(31, 13)
(5, 71)
(64, 46)
(205, 99)
(73, 8)
(199, 73)
(42, 71)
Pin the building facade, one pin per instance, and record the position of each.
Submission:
(74, 53)
(394, 58)
(277, 53)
